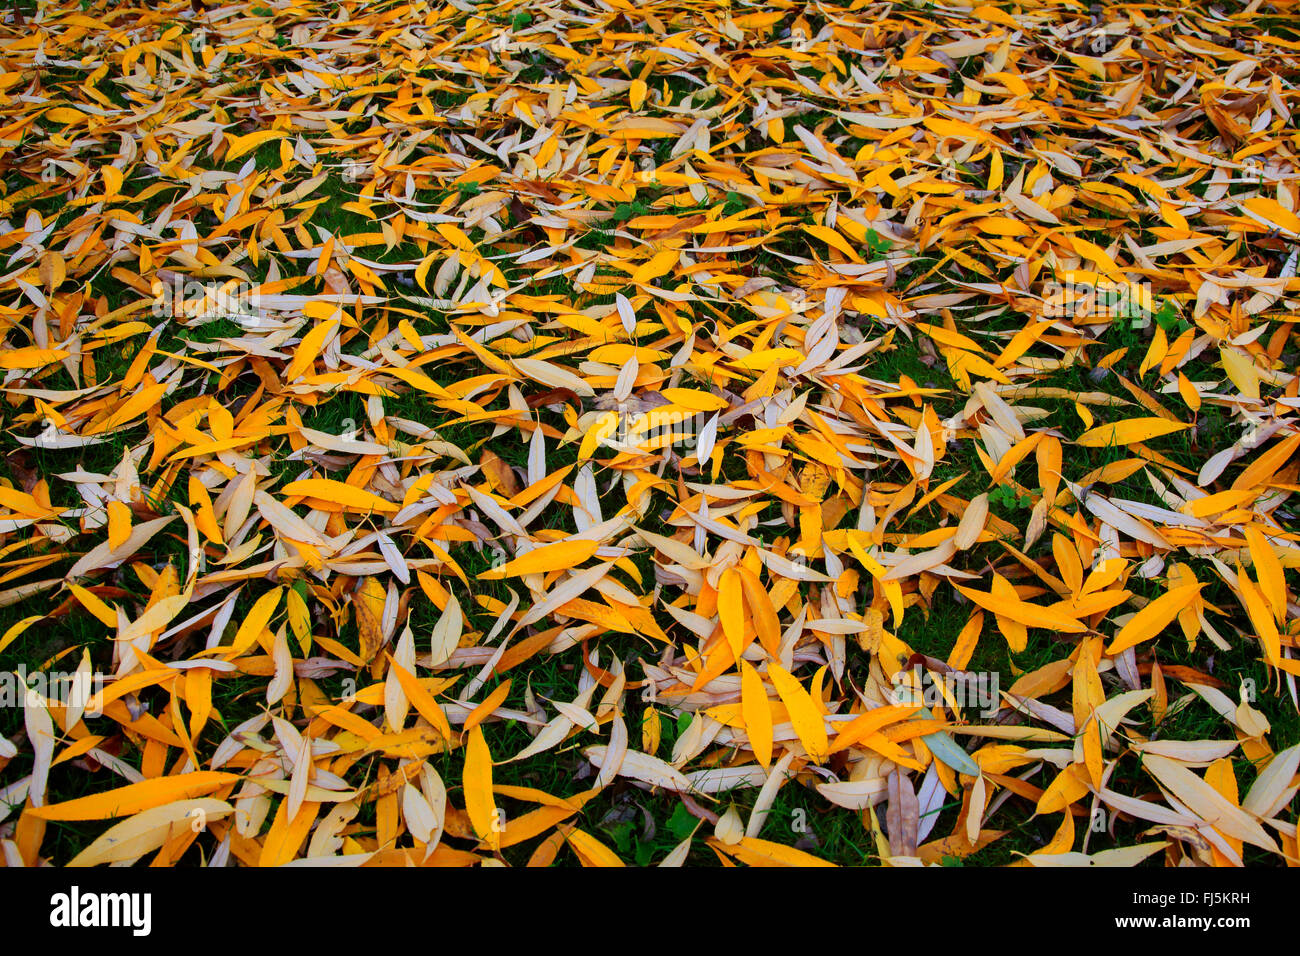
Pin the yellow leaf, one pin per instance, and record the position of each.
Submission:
(237, 146)
(119, 524)
(106, 615)
(1241, 369)
(336, 492)
(29, 358)
(549, 557)
(310, 346)
(150, 829)
(761, 611)
(834, 240)
(1188, 392)
(112, 180)
(1274, 213)
(422, 271)
(661, 264)
(299, 618)
(421, 699)
(694, 399)
(1092, 251)
(995, 171)
(1022, 612)
(255, 623)
(731, 610)
(486, 707)
(1262, 620)
(1153, 618)
(755, 852)
(136, 797)
(1268, 570)
(636, 93)
(591, 851)
(1068, 788)
(757, 713)
(479, 803)
(808, 722)
(1128, 432)
(368, 600)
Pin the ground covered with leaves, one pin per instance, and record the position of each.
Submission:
(594, 432)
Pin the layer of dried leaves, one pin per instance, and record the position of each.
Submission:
(705, 351)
